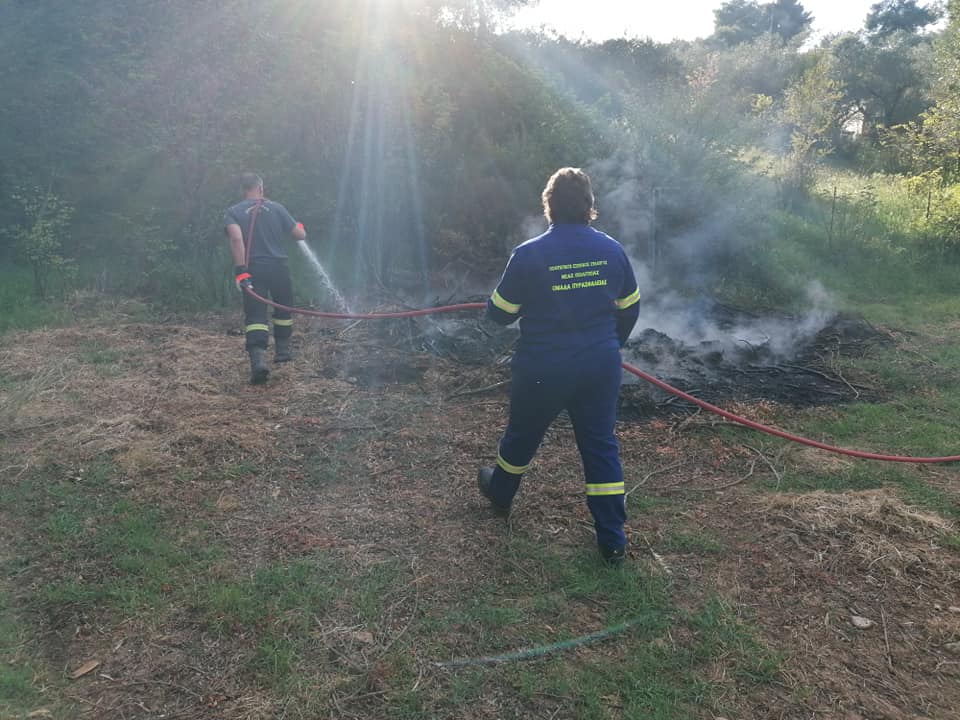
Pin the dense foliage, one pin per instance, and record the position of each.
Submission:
(412, 138)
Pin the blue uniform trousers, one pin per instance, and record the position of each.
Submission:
(586, 386)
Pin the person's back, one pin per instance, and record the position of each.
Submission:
(568, 282)
(575, 295)
(256, 228)
(272, 226)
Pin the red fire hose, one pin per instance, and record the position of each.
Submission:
(368, 316)
(631, 369)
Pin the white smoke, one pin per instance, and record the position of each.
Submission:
(675, 262)
(531, 227)
(691, 322)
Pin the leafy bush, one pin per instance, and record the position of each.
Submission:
(38, 240)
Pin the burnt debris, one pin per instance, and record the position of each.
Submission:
(735, 355)
(752, 369)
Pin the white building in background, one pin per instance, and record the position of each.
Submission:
(853, 125)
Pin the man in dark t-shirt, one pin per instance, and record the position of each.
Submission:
(257, 228)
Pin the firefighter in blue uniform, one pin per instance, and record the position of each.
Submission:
(260, 262)
(576, 298)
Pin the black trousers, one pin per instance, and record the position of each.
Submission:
(271, 279)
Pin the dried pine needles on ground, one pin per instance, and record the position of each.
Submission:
(317, 545)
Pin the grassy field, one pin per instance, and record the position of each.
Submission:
(177, 543)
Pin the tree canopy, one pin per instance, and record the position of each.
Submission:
(741, 21)
(892, 16)
(413, 138)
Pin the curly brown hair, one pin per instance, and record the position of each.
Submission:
(568, 197)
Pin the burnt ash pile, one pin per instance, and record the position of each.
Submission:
(782, 358)
(807, 371)
(470, 340)
(391, 352)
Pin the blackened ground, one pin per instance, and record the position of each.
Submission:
(811, 375)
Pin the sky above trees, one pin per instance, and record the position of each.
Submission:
(685, 19)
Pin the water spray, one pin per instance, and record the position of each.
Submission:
(324, 277)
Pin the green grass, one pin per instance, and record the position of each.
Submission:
(275, 616)
(21, 309)
(118, 558)
(131, 555)
(638, 674)
(693, 542)
(24, 311)
(286, 596)
(540, 598)
(872, 248)
(108, 362)
(918, 493)
(862, 475)
(282, 605)
(720, 633)
(20, 691)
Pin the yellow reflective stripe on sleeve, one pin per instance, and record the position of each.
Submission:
(507, 307)
(629, 300)
(283, 323)
(512, 469)
(257, 326)
(605, 488)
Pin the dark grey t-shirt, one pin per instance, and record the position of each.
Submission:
(273, 224)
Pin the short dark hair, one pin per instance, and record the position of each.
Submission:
(568, 197)
(250, 181)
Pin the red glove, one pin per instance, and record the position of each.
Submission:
(243, 279)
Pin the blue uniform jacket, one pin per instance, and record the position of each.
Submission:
(572, 289)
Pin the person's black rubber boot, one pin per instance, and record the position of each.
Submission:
(614, 557)
(259, 372)
(484, 478)
(281, 350)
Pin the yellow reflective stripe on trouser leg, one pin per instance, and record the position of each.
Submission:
(512, 469)
(631, 299)
(505, 305)
(253, 327)
(605, 488)
(288, 322)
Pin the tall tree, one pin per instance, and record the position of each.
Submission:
(941, 125)
(478, 15)
(892, 16)
(887, 83)
(740, 21)
(787, 18)
(811, 110)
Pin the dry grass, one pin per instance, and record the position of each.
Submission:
(152, 397)
(380, 474)
(872, 530)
